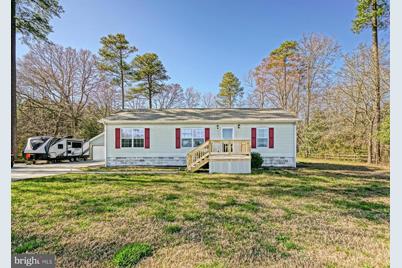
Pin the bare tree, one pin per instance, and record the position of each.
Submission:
(191, 98)
(256, 96)
(105, 99)
(137, 101)
(353, 101)
(59, 80)
(171, 96)
(317, 55)
(208, 100)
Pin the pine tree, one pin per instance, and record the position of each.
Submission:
(230, 90)
(113, 55)
(149, 73)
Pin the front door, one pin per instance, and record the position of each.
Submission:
(227, 133)
(227, 136)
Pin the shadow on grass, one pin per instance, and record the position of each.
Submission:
(334, 166)
(121, 178)
(372, 211)
(344, 170)
(104, 204)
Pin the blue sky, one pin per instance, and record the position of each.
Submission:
(198, 41)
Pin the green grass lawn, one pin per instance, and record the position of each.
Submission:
(321, 214)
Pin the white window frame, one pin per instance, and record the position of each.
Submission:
(142, 130)
(192, 136)
(267, 137)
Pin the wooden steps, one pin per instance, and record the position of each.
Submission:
(225, 150)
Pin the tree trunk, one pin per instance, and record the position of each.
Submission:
(13, 83)
(298, 94)
(75, 126)
(374, 33)
(370, 144)
(150, 97)
(122, 81)
(122, 92)
(284, 85)
(308, 89)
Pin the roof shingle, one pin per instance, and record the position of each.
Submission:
(216, 115)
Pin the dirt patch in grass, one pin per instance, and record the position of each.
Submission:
(184, 255)
(318, 215)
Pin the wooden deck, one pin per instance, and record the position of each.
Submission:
(218, 150)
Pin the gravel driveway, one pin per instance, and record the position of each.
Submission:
(24, 171)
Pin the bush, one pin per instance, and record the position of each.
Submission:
(256, 160)
(131, 254)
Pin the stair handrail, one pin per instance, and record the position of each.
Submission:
(198, 153)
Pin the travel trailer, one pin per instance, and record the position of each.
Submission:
(55, 149)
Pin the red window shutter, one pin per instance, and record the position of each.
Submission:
(253, 137)
(177, 138)
(117, 138)
(206, 134)
(271, 137)
(147, 139)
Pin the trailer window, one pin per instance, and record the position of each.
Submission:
(59, 146)
(76, 145)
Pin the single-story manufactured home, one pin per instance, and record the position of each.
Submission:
(224, 138)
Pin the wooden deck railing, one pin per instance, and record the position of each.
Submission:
(200, 155)
(230, 147)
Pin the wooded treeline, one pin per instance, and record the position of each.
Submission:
(341, 97)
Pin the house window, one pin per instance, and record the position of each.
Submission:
(192, 137)
(262, 137)
(198, 136)
(132, 137)
(138, 137)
